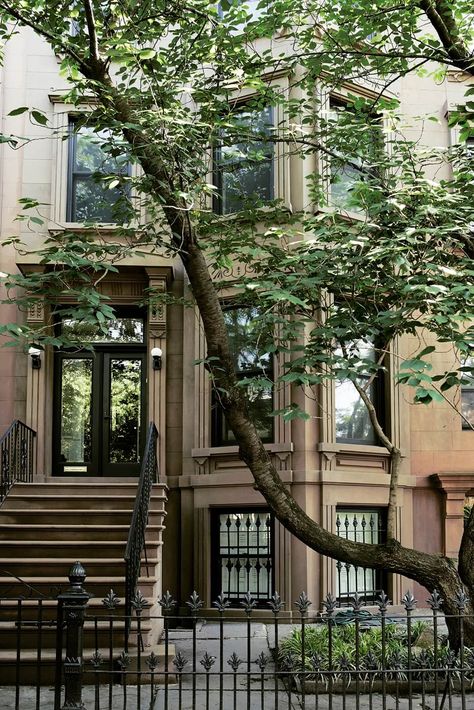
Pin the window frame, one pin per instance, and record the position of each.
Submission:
(217, 163)
(218, 416)
(235, 602)
(467, 389)
(72, 174)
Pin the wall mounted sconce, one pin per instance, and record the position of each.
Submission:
(35, 354)
(156, 354)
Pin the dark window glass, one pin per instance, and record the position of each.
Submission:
(345, 174)
(467, 395)
(359, 526)
(244, 170)
(353, 423)
(89, 198)
(242, 555)
(248, 337)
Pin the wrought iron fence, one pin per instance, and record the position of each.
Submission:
(229, 660)
(136, 537)
(16, 456)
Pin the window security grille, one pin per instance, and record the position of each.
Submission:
(359, 526)
(243, 555)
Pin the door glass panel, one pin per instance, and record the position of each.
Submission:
(118, 330)
(76, 403)
(125, 410)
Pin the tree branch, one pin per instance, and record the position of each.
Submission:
(441, 17)
(93, 42)
(54, 39)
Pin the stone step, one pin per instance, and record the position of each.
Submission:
(35, 609)
(18, 550)
(49, 567)
(28, 669)
(75, 502)
(60, 487)
(20, 516)
(97, 633)
(52, 586)
(80, 533)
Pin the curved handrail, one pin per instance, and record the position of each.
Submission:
(136, 535)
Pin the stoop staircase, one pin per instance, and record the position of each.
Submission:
(44, 529)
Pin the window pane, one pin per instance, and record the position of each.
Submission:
(246, 185)
(76, 400)
(248, 337)
(467, 393)
(260, 408)
(89, 155)
(467, 407)
(119, 330)
(249, 341)
(245, 169)
(352, 418)
(125, 410)
(343, 180)
(89, 198)
(92, 201)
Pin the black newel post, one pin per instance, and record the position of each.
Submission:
(74, 603)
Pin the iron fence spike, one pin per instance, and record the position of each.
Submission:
(195, 603)
(303, 603)
(435, 600)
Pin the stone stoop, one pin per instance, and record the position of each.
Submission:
(44, 529)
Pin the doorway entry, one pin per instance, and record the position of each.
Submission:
(99, 399)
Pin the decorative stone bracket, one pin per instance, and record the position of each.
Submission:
(455, 485)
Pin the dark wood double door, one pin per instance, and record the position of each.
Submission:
(99, 411)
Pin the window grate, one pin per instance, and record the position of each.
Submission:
(243, 555)
(367, 526)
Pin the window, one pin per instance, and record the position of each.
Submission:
(95, 193)
(348, 169)
(353, 423)
(467, 395)
(367, 526)
(244, 168)
(248, 338)
(242, 542)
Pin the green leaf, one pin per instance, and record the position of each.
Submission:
(39, 117)
(18, 111)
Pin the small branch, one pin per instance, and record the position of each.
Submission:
(440, 14)
(395, 459)
(54, 39)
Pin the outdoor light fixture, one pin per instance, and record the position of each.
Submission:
(35, 354)
(156, 354)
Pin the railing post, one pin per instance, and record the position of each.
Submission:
(74, 603)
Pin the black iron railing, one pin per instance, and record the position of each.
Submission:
(16, 456)
(136, 536)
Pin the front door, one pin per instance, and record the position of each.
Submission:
(99, 407)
